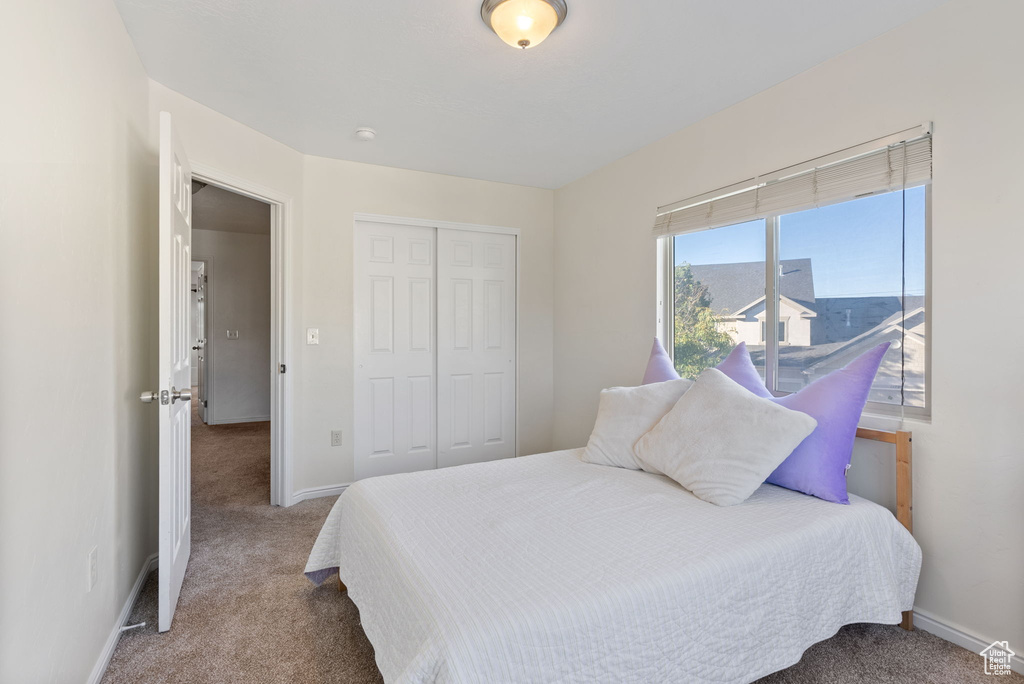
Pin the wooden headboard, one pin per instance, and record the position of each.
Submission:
(904, 485)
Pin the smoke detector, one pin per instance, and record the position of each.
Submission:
(366, 134)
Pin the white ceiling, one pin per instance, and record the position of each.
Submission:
(446, 95)
(214, 208)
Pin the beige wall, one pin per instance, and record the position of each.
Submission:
(959, 66)
(326, 194)
(238, 298)
(77, 215)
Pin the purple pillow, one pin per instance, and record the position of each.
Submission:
(818, 466)
(659, 366)
(738, 366)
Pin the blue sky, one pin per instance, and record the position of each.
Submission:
(854, 247)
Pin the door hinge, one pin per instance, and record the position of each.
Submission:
(281, 368)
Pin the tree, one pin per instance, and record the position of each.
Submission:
(699, 343)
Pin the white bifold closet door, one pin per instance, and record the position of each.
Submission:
(395, 393)
(476, 347)
(435, 347)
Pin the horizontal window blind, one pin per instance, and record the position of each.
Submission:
(885, 169)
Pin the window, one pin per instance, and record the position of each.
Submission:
(866, 285)
(715, 293)
(834, 280)
(782, 331)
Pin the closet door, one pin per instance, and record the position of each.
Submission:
(476, 346)
(395, 393)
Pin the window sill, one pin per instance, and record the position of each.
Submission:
(890, 419)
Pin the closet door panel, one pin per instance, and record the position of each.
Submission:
(395, 397)
(476, 346)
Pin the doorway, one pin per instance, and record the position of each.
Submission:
(231, 341)
(253, 336)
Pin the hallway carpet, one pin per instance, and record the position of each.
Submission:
(247, 614)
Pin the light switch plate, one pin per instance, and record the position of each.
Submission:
(312, 335)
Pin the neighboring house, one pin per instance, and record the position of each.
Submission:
(819, 335)
(737, 297)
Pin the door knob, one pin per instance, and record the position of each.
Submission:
(165, 397)
(160, 397)
(180, 395)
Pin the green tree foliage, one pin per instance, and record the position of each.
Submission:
(699, 344)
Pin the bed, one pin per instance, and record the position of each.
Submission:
(544, 568)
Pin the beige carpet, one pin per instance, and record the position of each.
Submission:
(247, 614)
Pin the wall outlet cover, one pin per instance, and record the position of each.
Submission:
(335, 437)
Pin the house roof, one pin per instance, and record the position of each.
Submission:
(844, 318)
(805, 311)
(808, 357)
(734, 286)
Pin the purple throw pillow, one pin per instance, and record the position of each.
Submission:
(818, 466)
(659, 366)
(738, 366)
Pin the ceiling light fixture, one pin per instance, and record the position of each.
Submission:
(523, 23)
(366, 134)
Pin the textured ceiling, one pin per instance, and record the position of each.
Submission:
(214, 208)
(446, 95)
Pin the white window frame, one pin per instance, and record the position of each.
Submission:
(666, 312)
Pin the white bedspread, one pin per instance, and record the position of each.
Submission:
(547, 569)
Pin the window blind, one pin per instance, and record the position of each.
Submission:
(906, 163)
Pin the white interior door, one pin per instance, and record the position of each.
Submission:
(395, 426)
(476, 346)
(174, 372)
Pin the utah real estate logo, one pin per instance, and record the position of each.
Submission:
(997, 658)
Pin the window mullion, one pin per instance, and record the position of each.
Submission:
(771, 303)
(666, 294)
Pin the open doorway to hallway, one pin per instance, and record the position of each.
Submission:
(231, 345)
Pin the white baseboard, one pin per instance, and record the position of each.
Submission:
(228, 421)
(100, 668)
(317, 492)
(973, 643)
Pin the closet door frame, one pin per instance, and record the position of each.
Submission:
(425, 223)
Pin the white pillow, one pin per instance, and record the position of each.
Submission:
(720, 441)
(625, 415)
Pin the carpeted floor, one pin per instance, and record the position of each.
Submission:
(247, 614)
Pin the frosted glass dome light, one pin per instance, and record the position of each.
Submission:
(523, 23)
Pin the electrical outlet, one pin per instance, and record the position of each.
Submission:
(335, 438)
(93, 568)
